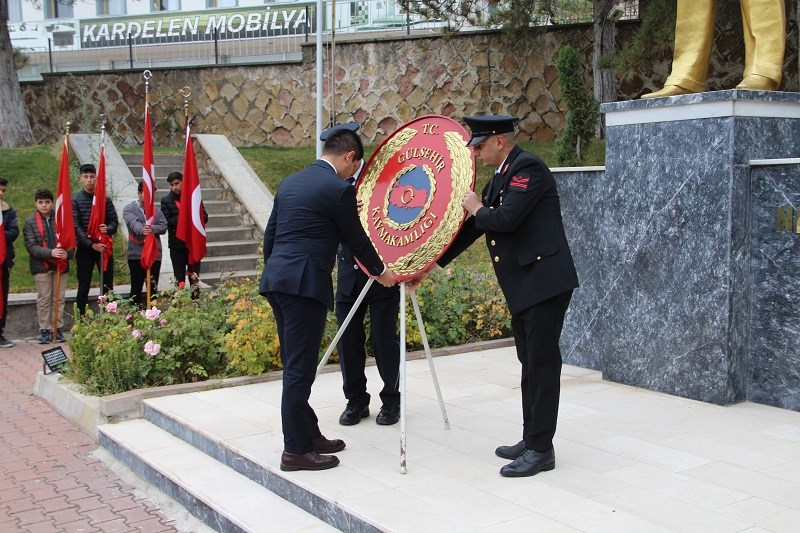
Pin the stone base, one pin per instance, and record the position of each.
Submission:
(663, 241)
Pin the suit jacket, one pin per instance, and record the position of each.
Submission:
(314, 211)
(524, 233)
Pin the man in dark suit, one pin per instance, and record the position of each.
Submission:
(384, 308)
(314, 210)
(520, 213)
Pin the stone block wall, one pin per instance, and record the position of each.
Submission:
(381, 83)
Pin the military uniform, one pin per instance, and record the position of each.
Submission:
(521, 219)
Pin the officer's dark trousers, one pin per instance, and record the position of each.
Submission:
(537, 331)
(383, 315)
(86, 260)
(301, 324)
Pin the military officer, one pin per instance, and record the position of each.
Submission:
(520, 214)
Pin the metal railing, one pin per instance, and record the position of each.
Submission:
(222, 45)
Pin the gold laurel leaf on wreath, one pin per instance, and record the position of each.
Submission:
(368, 182)
(461, 176)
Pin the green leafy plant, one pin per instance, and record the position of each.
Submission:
(123, 347)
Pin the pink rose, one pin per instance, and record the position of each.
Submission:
(163, 322)
(152, 348)
(111, 307)
(102, 298)
(449, 272)
(136, 334)
(152, 313)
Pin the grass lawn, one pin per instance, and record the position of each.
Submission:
(28, 169)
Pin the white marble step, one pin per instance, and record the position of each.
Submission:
(221, 497)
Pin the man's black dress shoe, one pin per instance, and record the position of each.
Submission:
(353, 413)
(307, 461)
(530, 463)
(323, 445)
(510, 452)
(388, 415)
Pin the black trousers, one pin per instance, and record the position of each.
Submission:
(301, 324)
(86, 260)
(138, 278)
(537, 331)
(383, 312)
(6, 279)
(180, 265)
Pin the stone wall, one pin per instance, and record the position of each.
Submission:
(381, 83)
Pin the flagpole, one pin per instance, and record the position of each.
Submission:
(147, 75)
(186, 92)
(58, 272)
(102, 140)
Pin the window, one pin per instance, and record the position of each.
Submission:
(222, 3)
(111, 7)
(15, 10)
(53, 9)
(165, 5)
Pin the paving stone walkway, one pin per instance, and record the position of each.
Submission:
(49, 480)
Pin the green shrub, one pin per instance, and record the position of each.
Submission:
(124, 348)
(584, 110)
(230, 331)
(460, 305)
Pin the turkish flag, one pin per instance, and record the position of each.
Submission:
(150, 248)
(97, 217)
(191, 224)
(65, 223)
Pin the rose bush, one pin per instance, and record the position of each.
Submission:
(230, 331)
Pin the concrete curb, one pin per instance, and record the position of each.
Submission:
(88, 412)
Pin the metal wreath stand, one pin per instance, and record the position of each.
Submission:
(402, 385)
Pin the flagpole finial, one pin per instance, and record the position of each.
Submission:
(186, 92)
(68, 126)
(102, 122)
(147, 75)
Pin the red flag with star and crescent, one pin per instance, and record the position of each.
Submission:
(191, 224)
(97, 217)
(150, 248)
(65, 223)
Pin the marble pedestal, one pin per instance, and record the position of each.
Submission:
(663, 241)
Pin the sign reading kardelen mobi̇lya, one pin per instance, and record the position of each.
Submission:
(410, 192)
(190, 26)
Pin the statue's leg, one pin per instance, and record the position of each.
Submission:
(764, 26)
(694, 34)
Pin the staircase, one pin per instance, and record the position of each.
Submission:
(231, 245)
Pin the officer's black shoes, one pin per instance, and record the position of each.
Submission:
(353, 413)
(530, 463)
(389, 415)
(510, 452)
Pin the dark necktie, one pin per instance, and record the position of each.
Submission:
(493, 184)
(351, 180)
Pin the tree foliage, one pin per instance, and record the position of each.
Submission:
(583, 113)
(652, 41)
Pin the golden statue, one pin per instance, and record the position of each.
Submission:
(764, 25)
